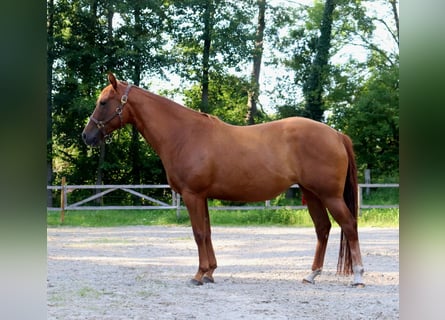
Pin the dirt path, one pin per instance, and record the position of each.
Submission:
(143, 272)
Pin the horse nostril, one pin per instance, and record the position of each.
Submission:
(84, 136)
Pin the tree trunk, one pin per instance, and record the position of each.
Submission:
(396, 16)
(257, 56)
(137, 65)
(207, 37)
(99, 177)
(136, 78)
(49, 102)
(313, 88)
(110, 48)
(100, 165)
(134, 151)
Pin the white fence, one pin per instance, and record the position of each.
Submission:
(150, 203)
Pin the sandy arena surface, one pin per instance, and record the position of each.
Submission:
(143, 273)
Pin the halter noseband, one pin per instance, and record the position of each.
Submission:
(101, 124)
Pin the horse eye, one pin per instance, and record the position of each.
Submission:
(102, 103)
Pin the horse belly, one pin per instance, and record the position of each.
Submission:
(249, 186)
(248, 195)
(255, 171)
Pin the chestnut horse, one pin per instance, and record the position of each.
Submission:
(207, 158)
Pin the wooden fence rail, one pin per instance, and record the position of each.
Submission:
(175, 202)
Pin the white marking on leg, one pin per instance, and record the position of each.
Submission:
(358, 273)
(311, 278)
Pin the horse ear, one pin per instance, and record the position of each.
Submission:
(112, 80)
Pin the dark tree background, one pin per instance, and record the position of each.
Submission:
(219, 49)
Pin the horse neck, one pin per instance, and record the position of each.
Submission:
(159, 120)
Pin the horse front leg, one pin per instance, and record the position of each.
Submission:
(208, 276)
(200, 220)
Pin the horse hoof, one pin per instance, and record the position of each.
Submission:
(358, 285)
(208, 280)
(306, 281)
(196, 282)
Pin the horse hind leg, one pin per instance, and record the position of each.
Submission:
(340, 212)
(322, 225)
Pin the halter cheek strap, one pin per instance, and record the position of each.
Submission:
(101, 124)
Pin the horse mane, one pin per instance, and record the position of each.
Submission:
(209, 116)
(160, 98)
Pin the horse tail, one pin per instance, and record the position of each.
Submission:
(350, 196)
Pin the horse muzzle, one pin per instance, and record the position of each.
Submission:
(92, 139)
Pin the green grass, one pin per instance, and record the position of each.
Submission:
(379, 218)
(280, 217)
(112, 218)
(381, 196)
(259, 217)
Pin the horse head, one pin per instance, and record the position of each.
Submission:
(109, 114)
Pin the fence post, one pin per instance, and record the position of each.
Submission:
(62, 200)
(178, 204)
(359, 200)
(368, 180)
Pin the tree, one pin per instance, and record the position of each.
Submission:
(394, 6)
(210, 37)
(372, 121)
(135, 145)
(216, 48)
(352, 90)
(88, 45)
(142, 32)
(257, 55)
(316, 34)
(365, 100)
(313, 86)
(207, 37)
(49, 99)
(76, 76)
(227, 97)
(110, 62)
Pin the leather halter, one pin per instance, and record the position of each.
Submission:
(100, 124)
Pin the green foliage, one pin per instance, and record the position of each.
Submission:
(86, 45)
(231, 35)
(313, 86)
(316, 34)
(360, 98)
(143, 40)
(371, 119)
(227, 98)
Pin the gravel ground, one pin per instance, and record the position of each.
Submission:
(143, 272)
